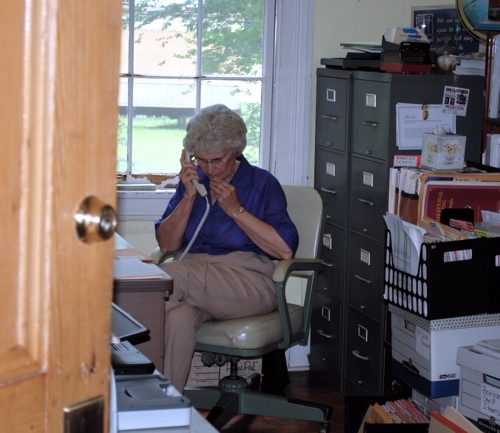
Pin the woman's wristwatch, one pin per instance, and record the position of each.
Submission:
(241, 209)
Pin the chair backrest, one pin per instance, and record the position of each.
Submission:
(306, 208)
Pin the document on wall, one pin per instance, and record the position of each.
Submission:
(412, 120)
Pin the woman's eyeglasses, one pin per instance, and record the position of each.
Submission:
(217, 162)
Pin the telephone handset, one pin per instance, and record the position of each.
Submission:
(203, 192)
(199, 187)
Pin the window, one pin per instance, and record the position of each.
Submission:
(180, 56)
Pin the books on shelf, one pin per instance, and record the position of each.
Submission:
(407, 185)
(494, 94)
(439, 195)
(492, 152)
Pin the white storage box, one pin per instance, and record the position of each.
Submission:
(424, 351)
(428, 405)
(479, 398)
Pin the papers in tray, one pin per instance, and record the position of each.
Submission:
(132, 268)
(490, 347)
(406, 240)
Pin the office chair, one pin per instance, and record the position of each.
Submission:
(222, 341)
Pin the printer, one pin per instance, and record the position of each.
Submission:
(405, 50)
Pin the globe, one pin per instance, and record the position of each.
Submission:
(471, 13)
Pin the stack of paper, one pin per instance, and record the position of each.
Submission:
(133, 268)
(490, 347)
(470, 66)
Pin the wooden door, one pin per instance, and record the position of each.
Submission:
(58, 122)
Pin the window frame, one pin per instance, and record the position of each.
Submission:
(286, 133)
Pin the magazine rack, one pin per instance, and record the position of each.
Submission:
(455, 278)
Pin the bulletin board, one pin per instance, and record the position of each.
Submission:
(441, 23)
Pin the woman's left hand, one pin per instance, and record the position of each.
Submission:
(226, 196)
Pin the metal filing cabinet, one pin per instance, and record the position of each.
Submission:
(355, 147)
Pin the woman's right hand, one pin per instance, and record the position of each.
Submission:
(187, 174)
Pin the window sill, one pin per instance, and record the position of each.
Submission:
(142, 205)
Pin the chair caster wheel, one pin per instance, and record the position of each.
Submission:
(324, 428)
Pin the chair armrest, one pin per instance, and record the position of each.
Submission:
(161, 257)
(280, 277)
(285, 267)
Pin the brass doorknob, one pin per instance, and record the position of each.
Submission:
(95, 220)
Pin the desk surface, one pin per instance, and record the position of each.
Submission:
(163, 284)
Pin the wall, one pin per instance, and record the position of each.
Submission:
(360, 21)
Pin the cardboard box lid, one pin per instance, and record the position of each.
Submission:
(473, 321)
(469, 357)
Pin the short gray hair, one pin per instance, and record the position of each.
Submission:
(214, 129)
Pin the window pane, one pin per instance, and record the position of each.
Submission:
(121, 164)
(244, 97)
(233, 35)
(165, 37)
(161, 111)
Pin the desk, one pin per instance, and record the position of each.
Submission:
(145, 300)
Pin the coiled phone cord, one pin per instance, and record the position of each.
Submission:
(197, 231)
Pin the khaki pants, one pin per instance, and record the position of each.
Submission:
(210, 287)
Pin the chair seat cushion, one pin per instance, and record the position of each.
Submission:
(249, 332)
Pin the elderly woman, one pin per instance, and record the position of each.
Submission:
(228, 270)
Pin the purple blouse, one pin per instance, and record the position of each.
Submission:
(260, 194)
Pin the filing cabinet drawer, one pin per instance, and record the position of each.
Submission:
(369, 183)
(365, 275)
(326, 331)
(364, 351)
(330, 179)
(331, 278)
(332, 113)
(370, 119)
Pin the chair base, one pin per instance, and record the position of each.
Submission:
(233, 397)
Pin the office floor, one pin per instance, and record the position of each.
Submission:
(304, 386)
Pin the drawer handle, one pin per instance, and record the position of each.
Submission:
(362, 200)
(357, 355)
(320, 332)
(330, 265)
(328, 116)
(359, 277)
(366, 123)
(329, 191)
(328, 217)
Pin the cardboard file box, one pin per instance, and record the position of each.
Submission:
(424, 351)
(202, 375)
(454, 279)
(479, 398)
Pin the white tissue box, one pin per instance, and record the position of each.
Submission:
(443, 152)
